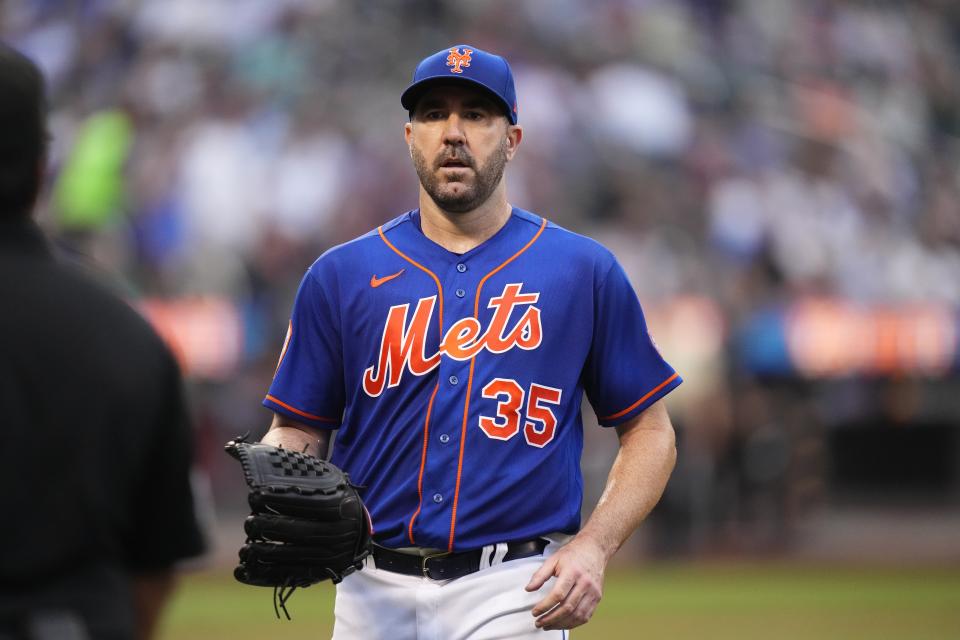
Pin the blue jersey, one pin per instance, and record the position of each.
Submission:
(455, 380)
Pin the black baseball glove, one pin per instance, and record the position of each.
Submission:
(308, 523)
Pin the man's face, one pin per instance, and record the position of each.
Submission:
(460, 142)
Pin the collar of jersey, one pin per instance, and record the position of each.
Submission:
(409, 237)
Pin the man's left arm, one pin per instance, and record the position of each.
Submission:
(634, 486)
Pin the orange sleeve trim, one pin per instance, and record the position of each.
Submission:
(300, 413)
(643, 399)
(466, 403)
(423, 463)
(422, 268)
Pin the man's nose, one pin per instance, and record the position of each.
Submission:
(453, 130)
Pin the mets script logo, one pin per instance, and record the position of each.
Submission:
(457, 59)
(402, 346)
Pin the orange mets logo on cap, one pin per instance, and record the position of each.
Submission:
(456, 60)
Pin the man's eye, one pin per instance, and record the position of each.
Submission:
(433, 115)
(474, 115)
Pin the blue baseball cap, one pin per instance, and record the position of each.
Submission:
(464, 63)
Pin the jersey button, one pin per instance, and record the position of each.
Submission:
(460, 293)
(437, 498)
(454, 380)
(444, 438)
(461, 267)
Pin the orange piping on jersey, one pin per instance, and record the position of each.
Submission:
(423, 461)
(476, 303)
(641, 400)
(422, 268)
(426, 423)
(300, 413)
(286, 343)
(466, 403)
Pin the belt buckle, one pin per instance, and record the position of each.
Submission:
(423, 563)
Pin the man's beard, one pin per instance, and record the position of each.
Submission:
(486, 178)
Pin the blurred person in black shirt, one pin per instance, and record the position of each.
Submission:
(94, 432)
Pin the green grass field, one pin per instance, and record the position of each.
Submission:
(676, 602)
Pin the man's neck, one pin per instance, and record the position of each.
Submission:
(461, 232)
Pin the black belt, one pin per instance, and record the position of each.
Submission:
(447, 566)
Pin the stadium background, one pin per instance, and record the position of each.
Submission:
(780, 179)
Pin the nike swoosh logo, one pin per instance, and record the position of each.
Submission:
(376, 282)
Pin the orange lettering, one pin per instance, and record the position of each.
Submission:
(400, 348)
(457, 342)
(457, 59)
(527, 334)
(503, 305)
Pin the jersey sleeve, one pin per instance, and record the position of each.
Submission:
(308, 384)
(625, 372)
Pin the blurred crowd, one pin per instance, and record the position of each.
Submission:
(742, 152)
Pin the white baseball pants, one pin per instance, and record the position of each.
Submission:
(374, 604)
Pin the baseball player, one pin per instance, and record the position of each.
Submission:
(450, 349)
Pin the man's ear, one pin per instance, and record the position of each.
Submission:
(514, 136)
(407, 136)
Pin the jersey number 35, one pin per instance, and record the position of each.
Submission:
(540, 424)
